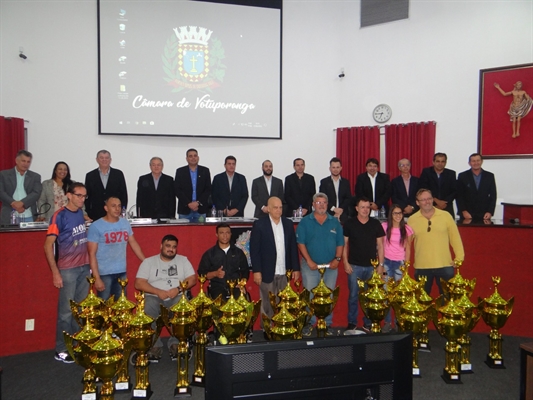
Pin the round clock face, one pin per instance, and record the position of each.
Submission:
(382, 113)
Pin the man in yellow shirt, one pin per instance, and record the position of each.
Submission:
(434, 231)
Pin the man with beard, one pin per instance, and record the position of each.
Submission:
(441, 182)
(299, 189)
(264, 187)
(159, 277)
(337, 190)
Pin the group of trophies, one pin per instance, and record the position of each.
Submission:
(113, 331)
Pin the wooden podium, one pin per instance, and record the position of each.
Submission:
(522, 212)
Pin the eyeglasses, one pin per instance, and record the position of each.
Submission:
(424, 200)
(80, 196)
(405, 165)
(429, 225)
(320, 202)
(397, 213)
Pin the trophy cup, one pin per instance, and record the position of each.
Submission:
(412, 316)
(452, 326)
(375, 304)
(252, 310)
(107, 359)
(182, 326)
(81, 354)
(284, 325)
(231, 319)
(457, 286)
(425, 299)
(464, 340)
(91, 308)
(142, 337)
(201, 302)
(322, 304)
(121, 315)
(495, 312)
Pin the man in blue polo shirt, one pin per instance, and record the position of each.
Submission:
(321, 241)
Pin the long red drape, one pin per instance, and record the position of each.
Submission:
(11, 140)
(354, 146)
(414, 141)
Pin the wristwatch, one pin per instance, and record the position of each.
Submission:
(337, 258)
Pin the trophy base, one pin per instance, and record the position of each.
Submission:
(424, 347)
(198, 381)
(416, 373)
(466, 369)
(88, 396)
(451, 378)
(183, 392)
(495, 363)
(141, 393)
(122, 386)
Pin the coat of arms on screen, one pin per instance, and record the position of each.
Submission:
(192, 60)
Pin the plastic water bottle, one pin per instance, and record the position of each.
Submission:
(123, 213)
(213, 211)
(14, 217)
(382, 213)
(300, 211)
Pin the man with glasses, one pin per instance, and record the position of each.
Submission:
(434, 232)
(71, 267)
(320, 241)
(404, 188)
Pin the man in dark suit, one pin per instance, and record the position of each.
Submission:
(102, 183)
(23, 198)
(264, 187)
(404, 188)
(273, 251)
(155, 193)
(193, 188)
(375, 186)
(299, 189)
(476, 191)
(441, 182)
(230, 190)
(337, 189)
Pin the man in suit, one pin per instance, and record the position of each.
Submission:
(404, 188)
(230, 190)
(299, 189)
(337, 190)
(102, 183)
(193, 188)
(155, 193)
(476, 191)
(441, 182)
(264, 187)
(273, 252)
(20, 189)
(375, 186)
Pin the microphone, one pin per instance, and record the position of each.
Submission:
(39, 210)
(130, 213)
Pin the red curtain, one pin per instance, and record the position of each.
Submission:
(414, 141)
(354, 146)
(11, 140)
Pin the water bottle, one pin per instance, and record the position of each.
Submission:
(300, 211)
(123, 213)
(14, 217)
(213, 211)
(382, 213)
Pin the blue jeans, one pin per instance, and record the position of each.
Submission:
(445, 273)
(364, 273)
(193, 216)
(75, 287)
(311, 279)
(112, 287)
(392, 268)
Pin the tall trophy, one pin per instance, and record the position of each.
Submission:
(231, 319)
(282, 327)
(202, 303)
(142, 337)
(182, 326)
(91, 308)
(495, 312)
(322, 303)
(472, 316)
(252, 309)
(425, 299)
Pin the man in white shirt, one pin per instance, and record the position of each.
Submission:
(264, 187)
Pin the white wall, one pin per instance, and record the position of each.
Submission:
(426, 68)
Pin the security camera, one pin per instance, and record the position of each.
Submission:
(21, 55)
(341, 75)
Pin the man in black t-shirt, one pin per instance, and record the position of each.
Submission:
(363, 241)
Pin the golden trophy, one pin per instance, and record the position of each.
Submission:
(283, 325)
(231, 319)
(81, 354)
(495, 312)
(107, 359)
(473, 316)
(457, 286)
(252, 309)
(322, 303)
(373, 298)
(201, 302)
(412, 316)
(121, 315)
(91, 308)
(142, 337)
(182, 326)
(452, 326)
(425, 299)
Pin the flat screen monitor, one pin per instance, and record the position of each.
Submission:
(347, 367)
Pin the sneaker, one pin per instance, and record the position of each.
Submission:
(332, 332)
(350, 330)
(367, 328)
(65, 357)
(173, 351)
(154, 354)
(386, 327)
(307, 330)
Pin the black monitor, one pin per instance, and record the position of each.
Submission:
(346, 367)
